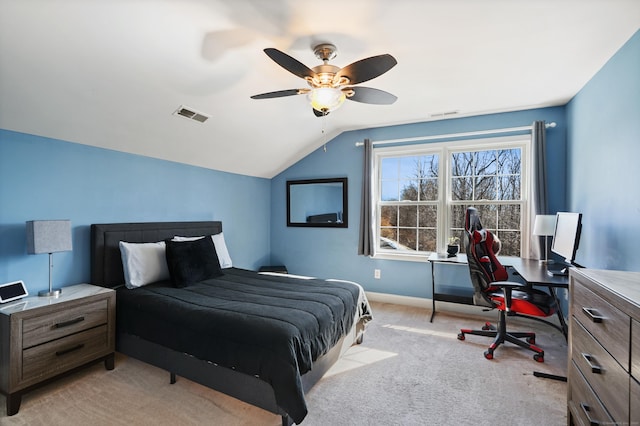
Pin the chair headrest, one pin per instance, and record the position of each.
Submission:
(472, 220)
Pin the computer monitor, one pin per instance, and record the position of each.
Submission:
(566, 236)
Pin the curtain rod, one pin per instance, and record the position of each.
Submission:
(459, 135)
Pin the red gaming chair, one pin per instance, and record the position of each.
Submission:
(492, 289)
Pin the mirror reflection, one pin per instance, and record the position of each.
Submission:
(317, 202)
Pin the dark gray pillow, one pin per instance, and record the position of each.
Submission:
(190, 262)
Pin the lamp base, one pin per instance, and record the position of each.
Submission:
(54, 292)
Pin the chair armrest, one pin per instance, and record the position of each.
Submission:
(507, 287)
(508, 284)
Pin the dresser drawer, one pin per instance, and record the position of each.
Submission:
(606, 323)
(607, 378)
(62, 354)
(634, 391)
(585, 407)
(54, 325)
(635, 349)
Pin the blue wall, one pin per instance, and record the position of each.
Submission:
(326, 252)
(592, 162)
(43, 178)
(603, 162)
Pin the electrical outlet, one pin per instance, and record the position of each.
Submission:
(376, 274)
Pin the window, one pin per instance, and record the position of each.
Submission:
(422, 192)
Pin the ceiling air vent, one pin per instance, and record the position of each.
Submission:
(444, 114)
(192, 114)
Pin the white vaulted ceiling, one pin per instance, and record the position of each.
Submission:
(111, 73)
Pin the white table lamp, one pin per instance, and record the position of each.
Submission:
(544, 226)
(49, 236)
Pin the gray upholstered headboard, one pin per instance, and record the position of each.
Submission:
(106, 262)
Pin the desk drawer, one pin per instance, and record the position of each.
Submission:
(606, 323)
(607, 378)
(60, 355)
(585, 406)
(50, 326)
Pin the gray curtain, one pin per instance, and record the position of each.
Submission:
(366, 239)
(539, 183)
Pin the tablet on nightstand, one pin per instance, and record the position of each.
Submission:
(12, 291)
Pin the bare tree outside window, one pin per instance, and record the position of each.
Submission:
(409, 202)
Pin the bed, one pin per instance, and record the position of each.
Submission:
(263, 338)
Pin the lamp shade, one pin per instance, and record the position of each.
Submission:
(544, 225)
(48, 236)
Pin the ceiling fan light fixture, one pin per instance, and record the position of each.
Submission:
(326, 99)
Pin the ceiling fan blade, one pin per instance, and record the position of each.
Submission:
(319, 113)
(369, 95)
(279, 94)
(368, 68)
(288, 63)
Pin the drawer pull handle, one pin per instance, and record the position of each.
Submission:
(68, 323)
(592, 314)
(586, 409)
(72, 349)
(595, 369)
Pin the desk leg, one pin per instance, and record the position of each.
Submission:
(433, 292)
(563, 324)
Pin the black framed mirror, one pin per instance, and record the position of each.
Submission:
(317, 203)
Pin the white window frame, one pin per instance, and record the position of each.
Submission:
(444, 150)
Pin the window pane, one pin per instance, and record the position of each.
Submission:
(510, 241)
(462, 188)
(486, 163)
(509, 217)
(428, 216)
(389, 216)
(409, 191)
(389, 168)
(407, 238)
(429, 189)
(509, 161)
(457, 219)
(485, 188)
(427, 240)
(388, 238)
(408, 216)
(389, 190)
(461, 163)
(509, 188)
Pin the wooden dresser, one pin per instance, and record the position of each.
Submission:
(604, 347)
(44, 337)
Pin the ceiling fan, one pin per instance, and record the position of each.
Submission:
(330, 86)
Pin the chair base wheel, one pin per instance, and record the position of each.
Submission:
(488, 326)
(488, 354)
(460, 336)
(539, 357)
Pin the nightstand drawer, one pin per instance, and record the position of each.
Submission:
(585, 406)
(44, 328)
(606, 323)
(601, 371)
(63, 354)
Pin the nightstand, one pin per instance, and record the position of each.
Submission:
(42, 338)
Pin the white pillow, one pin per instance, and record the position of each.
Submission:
(143, 263)
(221, 248)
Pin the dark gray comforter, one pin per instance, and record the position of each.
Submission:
(271, 327)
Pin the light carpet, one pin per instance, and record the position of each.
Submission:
(408, 371)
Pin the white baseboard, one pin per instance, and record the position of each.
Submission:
(457, 308)
(420, 302)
